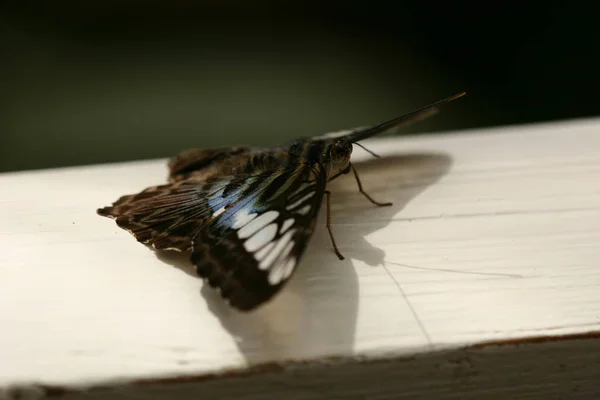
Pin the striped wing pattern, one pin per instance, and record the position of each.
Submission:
(253, 246)
(167, 217)
(246, 233)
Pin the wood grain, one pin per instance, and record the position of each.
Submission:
(493, 238)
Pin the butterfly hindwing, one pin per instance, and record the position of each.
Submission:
(251, 249)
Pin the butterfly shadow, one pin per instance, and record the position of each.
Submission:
(397, 179)
(315, 314)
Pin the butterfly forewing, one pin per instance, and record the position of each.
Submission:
(166, 217)
(253, 246)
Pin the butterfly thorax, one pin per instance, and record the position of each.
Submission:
(332, 154)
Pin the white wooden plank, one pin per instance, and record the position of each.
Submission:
(493, 235)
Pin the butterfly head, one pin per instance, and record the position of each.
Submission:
(340, 151)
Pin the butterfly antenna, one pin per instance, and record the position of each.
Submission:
(367, 150)
(404, 120)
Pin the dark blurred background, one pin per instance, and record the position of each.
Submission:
(95, 82)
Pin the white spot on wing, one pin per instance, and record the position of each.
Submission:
(259, 255)
(261, 238)
(284, 241)
(282, 271)
(242, 218)
(301, 188)
(257, 223)
(288, 267)
(218, 212)
(286, 225)
(287, 250)
(304, 210)
(302, 200)
(275, 275)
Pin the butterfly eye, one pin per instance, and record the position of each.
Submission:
(340, 151)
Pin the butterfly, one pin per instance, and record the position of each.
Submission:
(247, 213)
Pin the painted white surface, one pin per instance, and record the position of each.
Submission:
(494, 234)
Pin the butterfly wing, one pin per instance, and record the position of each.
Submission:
(253, 247)
(169, 216)
(247, 233)
(166, 216)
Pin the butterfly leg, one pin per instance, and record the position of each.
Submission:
(328, 224)
(361, 190)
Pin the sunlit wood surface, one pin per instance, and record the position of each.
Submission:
(481, 281)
